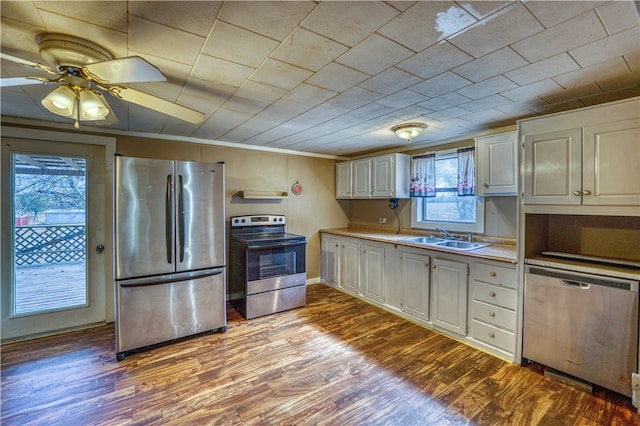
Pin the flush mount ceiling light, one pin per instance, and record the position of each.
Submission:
(408, 131)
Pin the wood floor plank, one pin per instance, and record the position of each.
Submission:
(336, 361)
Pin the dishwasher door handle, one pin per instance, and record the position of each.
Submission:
(580, 285)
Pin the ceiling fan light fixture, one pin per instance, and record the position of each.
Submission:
(408, 131)
(92, 105)
(61, 101)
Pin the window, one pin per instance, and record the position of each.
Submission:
(447, 209)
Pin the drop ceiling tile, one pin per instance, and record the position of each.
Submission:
(619, 15)
(192, 16)
(481, 104)
(236, 44)
(501, 29)
(19, 39)
(435, 60)
(354, 98)
(112, 40)
(388, 53)
(220, 123)
(491, 65)
(486, 116)
(390, 81)
(274, 19)
(543, 69)
(444, 101)
(588, 75)
(279, 74)
(568, 35)
(441, 84)
(308, 50)
(619, 44)
(205, 96)
(337, 77)
(348, 22)
(401, 99)
(481, 9)
(426, 23)
(307, 94)
(165, 42)
(487, 87)
(619, 82)
(112, 15)
(369, 112)
(449, 113)
(551, 13)
(21, 11)
(533, 90)
(219, 70)
(570, 94)
(151, 121)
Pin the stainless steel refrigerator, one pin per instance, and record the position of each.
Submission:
(170, 257)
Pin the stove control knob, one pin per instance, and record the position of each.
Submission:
(244, 220)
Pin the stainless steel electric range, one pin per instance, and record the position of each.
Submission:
(267, 267)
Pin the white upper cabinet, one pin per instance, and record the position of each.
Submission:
(384, 176)
(611, 171)
(361, 179)
(498, 164)
(344, 173)
(587, 158)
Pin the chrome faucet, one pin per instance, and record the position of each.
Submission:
(446, 234)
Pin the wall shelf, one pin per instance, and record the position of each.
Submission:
(263, 195)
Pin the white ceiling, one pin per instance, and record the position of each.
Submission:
(334, 77)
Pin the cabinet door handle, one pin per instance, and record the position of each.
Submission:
(493, 274)
(586, 192)
(492, 314)
(434, 266)
(492, 335)
(577, 193)
(486, 185)
(492, 294)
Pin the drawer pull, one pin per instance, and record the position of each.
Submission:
(492, 294)
(493, 274)
(492, 335)
(492, 314)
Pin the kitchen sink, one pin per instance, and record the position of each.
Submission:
(460, 245)
(441, 242)
(424, 240)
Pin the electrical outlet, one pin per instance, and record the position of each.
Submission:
(383, 220)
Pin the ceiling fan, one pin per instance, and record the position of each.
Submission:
(79, 67)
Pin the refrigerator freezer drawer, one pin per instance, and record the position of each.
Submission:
(151, 314)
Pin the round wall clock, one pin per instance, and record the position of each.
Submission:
(296, 188)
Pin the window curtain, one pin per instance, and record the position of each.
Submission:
(466, 172)
(423, 176)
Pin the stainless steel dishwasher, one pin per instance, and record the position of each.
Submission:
(583, 325)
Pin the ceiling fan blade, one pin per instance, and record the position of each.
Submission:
(27, 63)
(155, 103)
(132, 69)
(23, 81)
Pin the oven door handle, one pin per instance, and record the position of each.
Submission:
(276, 245)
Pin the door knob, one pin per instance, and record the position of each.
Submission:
(99, 248)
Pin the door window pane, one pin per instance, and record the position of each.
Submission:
(49, 246)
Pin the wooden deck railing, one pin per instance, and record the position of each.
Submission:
(46, 244)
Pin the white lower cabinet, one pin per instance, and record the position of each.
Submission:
(350, 258)
(415, 284)
(431, 288)
(493, 306)
(449, 295)
(373, 268)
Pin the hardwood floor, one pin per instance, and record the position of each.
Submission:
(337, 361)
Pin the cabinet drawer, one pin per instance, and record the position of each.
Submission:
(494, 315)
(494, 295)
(493, 336)
(492, 274)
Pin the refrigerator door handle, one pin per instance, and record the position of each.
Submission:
(168, 221)
(181, 225)
(169, 278)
